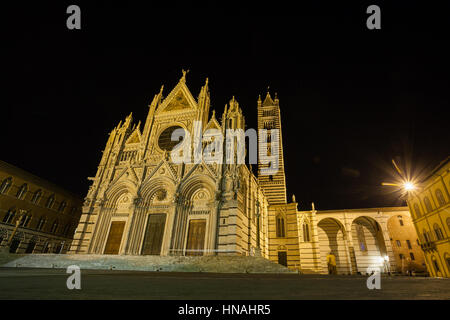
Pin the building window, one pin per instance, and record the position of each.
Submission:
(6, 184)
(428, 204)
(54, 227)
(36, 196)
(25, 220)
(280, 228)
(408, 243)
(401, 256)
(306, 237)
(400, 220)
(438, 232)
(22, 191)
(446, 257)
(418, 243)
(9, 216)
(436, 265)
(425, 236)
(50, 201)
(399, 244)
(62, 206)
(440, 197)
(40, 224)
(67, 229)
(412, 256)
(361, 237)
(417, 210)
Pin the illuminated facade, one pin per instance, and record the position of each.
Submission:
(429, 204)
(52, 214)
(143, 203)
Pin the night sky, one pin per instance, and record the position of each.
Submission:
(351, 99)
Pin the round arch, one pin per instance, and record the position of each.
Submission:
(167, 126)
(192, 185)
(369, 244)
(117, 190)
(149, 189)
(332, 239)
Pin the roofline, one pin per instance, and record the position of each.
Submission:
(40, 181)
(403, 208)
(436, 169)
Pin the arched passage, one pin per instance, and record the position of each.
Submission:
(370, 249)
(332, 239)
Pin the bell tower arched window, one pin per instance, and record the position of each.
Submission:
(280, 227)
(306, 237)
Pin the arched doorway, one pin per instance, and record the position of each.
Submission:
(332, 239)
(196, 237)
(154, 234)
(282, 255)
(114, 239)
(370, 249)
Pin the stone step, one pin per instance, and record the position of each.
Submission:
(221, 264)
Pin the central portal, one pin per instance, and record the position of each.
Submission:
(196, 237)
(154, 234)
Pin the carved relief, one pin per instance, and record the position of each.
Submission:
(161, 195)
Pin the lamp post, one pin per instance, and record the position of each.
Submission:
(258, 249)
(387, 265)
(18, 222)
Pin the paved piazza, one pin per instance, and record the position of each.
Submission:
(17, 283)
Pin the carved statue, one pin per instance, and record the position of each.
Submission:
(228, 182)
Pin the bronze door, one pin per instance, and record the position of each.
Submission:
(196, 237)
(154, 234)
(114, 237)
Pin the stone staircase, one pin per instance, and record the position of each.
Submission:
(219, 264)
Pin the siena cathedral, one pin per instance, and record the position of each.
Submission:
(142, 203)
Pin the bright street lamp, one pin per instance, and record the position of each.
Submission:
(409, 186)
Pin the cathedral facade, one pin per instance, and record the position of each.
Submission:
(141, 202)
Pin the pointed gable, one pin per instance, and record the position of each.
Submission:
(178, 102)
(213, 123)
(135, 137)
(180, 98)
(268, 100)
(128, 173)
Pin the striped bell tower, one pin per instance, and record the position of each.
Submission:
(269, 118)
